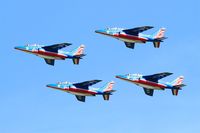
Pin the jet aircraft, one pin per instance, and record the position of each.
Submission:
(152, 82)
(53, 52)
(81, 90)
(134, 35)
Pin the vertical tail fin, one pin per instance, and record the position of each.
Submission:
(158, 37)
(177, 85)
(160, 34)
(108, 87)
(77, 54)
(177, 81)
(78, 51)
(107, 90)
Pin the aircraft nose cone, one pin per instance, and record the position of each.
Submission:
(100, 31)
(119, 76)
(50, 85)
(19, 48)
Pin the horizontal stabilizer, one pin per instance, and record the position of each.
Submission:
(79, 56)
(179, 86)
(160, 39)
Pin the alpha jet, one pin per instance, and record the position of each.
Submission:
(152, 82)
(132, 36)
(53, 52)
(83, 89)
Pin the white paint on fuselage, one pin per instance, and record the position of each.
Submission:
(49, 57)
(77, 93)
(126, 40)
(130, 41)
(80, 94)
(143, 85)
(148, 86)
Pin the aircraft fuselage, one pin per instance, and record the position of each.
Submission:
(45, 54)
(147, 84)
(126, 37)
(77, 91)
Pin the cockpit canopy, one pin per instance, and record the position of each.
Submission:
(32, 45)
(115, 29)
(63, 83)
(134, 76)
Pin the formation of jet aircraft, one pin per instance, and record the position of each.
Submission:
(149, 83)
(152, 82)
(83, 89)
(53, 52)
(134, 35)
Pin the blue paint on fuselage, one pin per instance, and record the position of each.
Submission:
(35, 47)
(136, 77)
(112, 31)
(65, 85)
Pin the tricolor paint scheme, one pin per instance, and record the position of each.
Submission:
(53, 52)
(81, 90)
(152, 82)
(132, 36)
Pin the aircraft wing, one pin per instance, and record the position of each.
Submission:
(80, 98)
(156, 77)
(50, 61)
(86, 84)
(148, 91)
(137, 30)
(56, 47)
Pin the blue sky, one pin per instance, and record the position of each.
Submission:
(28, 106)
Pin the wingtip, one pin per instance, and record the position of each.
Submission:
(148, 27)
(170, 73)
(67, 43)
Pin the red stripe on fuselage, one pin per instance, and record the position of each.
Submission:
(80, 91)
(130, 37)
(149, 83)
(77, 90)
(52, 54)
(145, 82)
(44, 53)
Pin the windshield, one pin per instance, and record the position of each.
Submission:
(65, 82)
(32, 45)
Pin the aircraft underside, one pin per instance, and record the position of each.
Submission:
(145, 85)
(131, 41)
(49, 55)
(81, 94)
(148, 86)
(75, 92)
